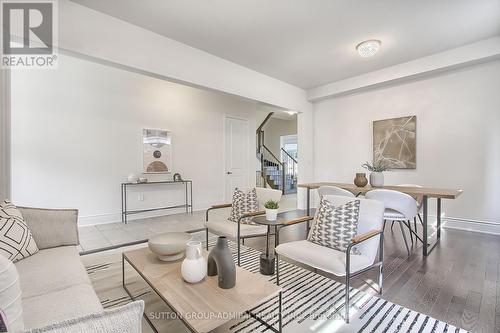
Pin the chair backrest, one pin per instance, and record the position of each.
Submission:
(266, 194)
(334, 190)
(398, 201)
(419, 198)
(371, 217)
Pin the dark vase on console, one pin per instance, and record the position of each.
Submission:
(220, 261)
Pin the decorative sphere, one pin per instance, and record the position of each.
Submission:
(132, 178)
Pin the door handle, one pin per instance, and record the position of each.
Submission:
(229, 173)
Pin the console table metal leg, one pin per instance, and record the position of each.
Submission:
(132, 297)
(122, 201)
(191, 193)
(438, 218)
(125, 203)
(186, 190)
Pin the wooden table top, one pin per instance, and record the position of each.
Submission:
(429, 191)
(202, 306)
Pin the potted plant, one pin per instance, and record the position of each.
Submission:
(376, 175)
(271, 207)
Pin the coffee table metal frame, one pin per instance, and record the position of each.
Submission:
(249, 312)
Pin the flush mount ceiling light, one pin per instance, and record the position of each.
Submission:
(368, 48)
(291, 113)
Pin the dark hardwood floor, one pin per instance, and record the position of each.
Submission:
(458, 283)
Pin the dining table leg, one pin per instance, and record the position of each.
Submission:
(308, 206)
(438, 218)
(425, 225)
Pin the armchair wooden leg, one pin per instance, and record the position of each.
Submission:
(206, 237)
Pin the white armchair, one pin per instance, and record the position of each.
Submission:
(240, 231)
(368, 241)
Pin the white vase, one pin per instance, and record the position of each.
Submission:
(271, 214)
(132, 178)
(376, 179)
(194, 267)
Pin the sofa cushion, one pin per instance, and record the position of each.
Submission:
(51, 270)
(10, 296)
(69, 303)
(16, 241)
(124, 319)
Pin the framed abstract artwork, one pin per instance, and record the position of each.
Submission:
(395, 142)
(157, 151)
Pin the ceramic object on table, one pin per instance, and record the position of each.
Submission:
(194, 266)
(377, 179)
(360, 180)
(169, 246)
(221, 263)
(132, 178)
(271, 214)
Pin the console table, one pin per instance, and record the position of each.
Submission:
(188, 190)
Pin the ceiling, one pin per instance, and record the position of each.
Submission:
(312, 42)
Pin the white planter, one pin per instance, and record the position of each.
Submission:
(377, 179)
(194, 267)
(271, 214)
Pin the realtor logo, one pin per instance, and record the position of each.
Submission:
(28, 34)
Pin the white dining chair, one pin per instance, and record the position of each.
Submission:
(368, 242)
(334, 190)
(399, 207)
(420, 203)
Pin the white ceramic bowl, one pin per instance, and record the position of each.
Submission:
(169, 246)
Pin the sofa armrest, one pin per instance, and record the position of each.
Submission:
(52, 227)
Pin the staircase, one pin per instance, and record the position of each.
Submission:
(274, 172)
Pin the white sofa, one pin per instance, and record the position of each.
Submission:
(54, 284)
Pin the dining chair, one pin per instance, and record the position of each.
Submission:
(349, 264)
(334, 190)
(239, 231)
(399, 207)
(420, 203)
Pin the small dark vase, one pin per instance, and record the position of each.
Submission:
(220, 261)
(360, 180)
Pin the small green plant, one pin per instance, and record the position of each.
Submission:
(375, 167)
(271, 204)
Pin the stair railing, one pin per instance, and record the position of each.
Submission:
(290, 167)
(268, 159)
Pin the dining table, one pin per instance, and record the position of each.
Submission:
(425, 192)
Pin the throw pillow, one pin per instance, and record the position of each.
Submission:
(243, 203)
(334, 227)
(10, 296)
(16, 241)
(124, 319)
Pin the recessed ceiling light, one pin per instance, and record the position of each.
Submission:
(368, 48)
(291, 113)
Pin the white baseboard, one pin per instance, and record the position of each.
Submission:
(485, 227)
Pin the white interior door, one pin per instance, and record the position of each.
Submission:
(236, 155)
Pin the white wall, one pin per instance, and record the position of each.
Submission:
(77, 135)
(4, 134)
(274, 129)
(458, 136)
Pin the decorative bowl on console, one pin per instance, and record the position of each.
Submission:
(169, 246)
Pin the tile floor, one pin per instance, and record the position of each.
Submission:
(103, 236)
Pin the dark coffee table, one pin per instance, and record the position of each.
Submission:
(267, 259)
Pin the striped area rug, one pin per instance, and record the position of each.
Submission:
(311, 302)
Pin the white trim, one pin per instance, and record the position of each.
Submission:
(485, 227)
(5, 135)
